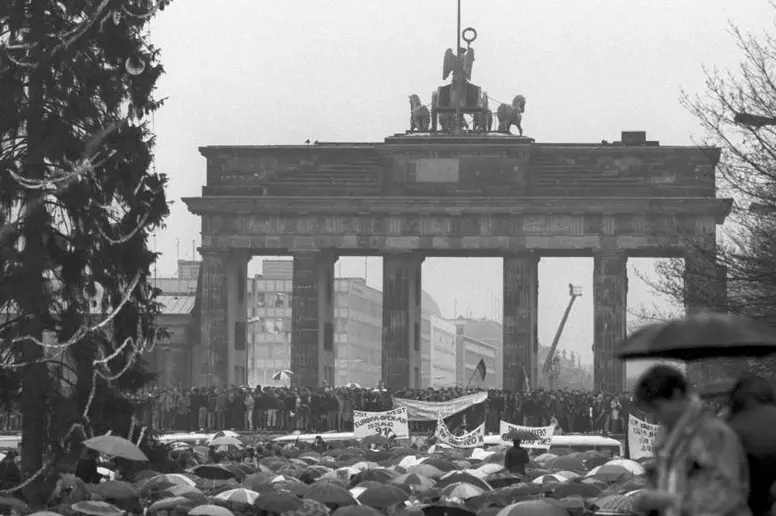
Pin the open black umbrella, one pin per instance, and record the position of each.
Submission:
(701, 336)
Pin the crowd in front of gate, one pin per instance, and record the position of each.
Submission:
(282, 409)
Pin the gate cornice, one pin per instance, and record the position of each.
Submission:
(717, 208)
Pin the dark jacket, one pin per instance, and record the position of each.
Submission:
(755, 428)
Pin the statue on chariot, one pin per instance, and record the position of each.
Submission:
(450, 103)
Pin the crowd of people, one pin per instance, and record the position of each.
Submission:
(288, 409)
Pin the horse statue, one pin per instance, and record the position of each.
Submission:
(420, 118)
(508, 115)
(483, 121)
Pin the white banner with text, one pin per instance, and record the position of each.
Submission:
(473, 439)
(641, 438)
(544, 433)
(393, 423)
(419, 410)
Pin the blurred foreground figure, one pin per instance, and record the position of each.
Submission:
(753, 418)
(701, 465)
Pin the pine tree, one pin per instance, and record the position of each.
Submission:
(79, 198)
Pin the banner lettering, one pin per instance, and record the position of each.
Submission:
(392, 423)
(544, 433)
(641, 438)
(418, 410)
(473, 439)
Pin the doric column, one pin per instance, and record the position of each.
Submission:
(610, 299)
(705, 288)
(213, 354)
(402, 298)
(236, 315)
(312, 332)
(521, 300)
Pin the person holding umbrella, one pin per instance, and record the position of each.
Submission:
(701, 465)
(516, 458)
(753, 418)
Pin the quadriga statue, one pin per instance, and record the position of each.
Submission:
(483, 121)
(509, 115)
(420, 118)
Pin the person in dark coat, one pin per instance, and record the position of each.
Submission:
(10, 476)
(753, 419)
(516, 458)
(86, 469)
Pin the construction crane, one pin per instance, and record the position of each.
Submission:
(574, 293)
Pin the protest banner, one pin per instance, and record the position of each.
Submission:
(544, 433)
(473, 439)
(392, 423)
(418, 410)
(641, 438)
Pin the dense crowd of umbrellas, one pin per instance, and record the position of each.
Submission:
(355, 478)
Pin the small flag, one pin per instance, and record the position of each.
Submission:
(482, 369)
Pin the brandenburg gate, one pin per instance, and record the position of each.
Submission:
(449, 192)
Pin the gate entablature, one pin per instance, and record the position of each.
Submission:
(457, 227)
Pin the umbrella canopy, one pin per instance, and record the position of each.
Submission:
(115, 490)
(166, 504)
(14, 503)
(94, 508)
(565, 464)
(455, 477)
(415, 481)
(502, 479)
(446, 510)
(462, 490)
(426, 470)
(609, 472)
(357, 510)
(278, 502)
(615, 505)
(166, 481)
(382, 496)
(574, 489)
(213, 472)
(330, 493)
(210, 510)
(352, 385)
(115, 446)
(533, 508)
(630, 465)
(239, 495)
(182, 490)
(285, 374)
(705, 335)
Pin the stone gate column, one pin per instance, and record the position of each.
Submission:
(402, 298)
(610, 298)
(312, 313)
(213, 355)
(236, 314)
(521, 300)
(705, 288)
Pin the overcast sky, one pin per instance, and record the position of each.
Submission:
(247, 72)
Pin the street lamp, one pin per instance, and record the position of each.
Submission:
(755, 121)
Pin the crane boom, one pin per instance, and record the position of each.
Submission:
(574, 293)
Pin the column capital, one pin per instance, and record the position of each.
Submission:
(407, 255)
(312, 254)
(527, 254)
(609, 252)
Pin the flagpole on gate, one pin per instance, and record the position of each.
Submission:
(471, 378)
